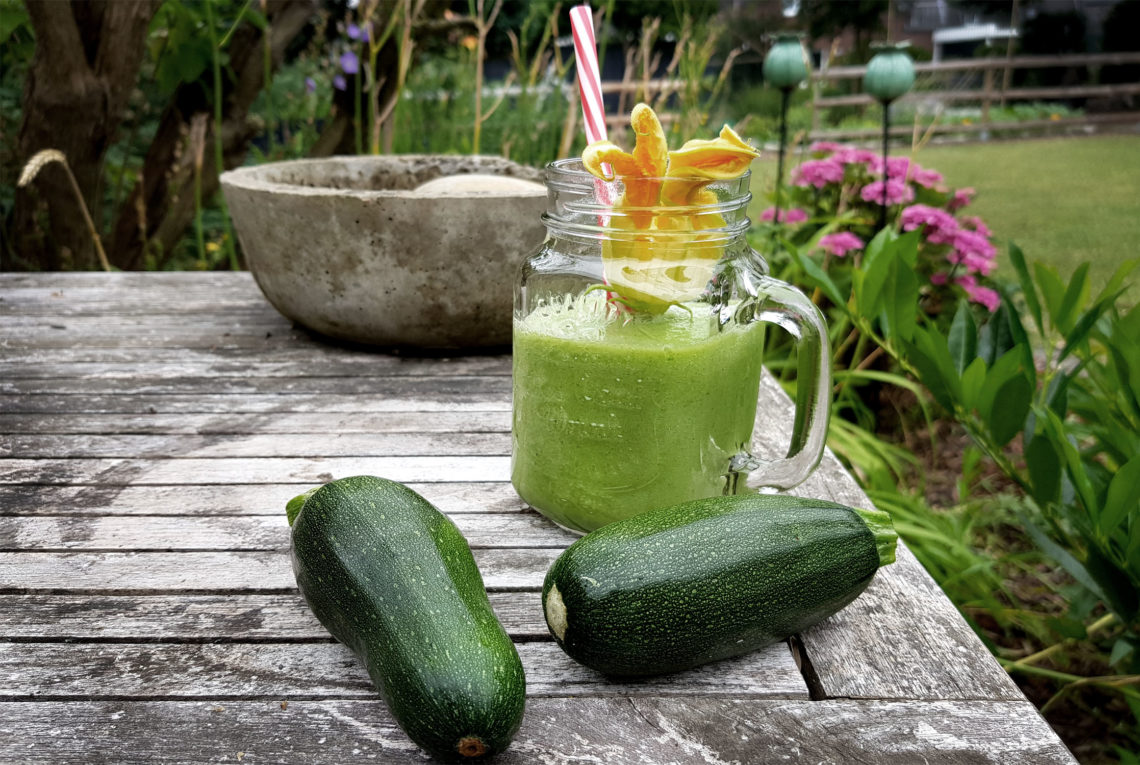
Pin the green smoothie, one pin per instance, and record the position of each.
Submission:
(613, 417)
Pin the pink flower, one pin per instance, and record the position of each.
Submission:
(978, 294)
(849, 156)
(973, 251)
(898, 167)
(940, 225)
(974, 222)
(841, 243)
(926, 178)
(962, 197)
(825, 147)
(794, 215)
(818, 173)
(939, 279)
(898, 192)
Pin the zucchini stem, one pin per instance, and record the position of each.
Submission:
(879, 522)
(293, 506)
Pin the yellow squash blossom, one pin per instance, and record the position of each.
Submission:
(649, 260)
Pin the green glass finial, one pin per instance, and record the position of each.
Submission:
(890, 73)
(786, 66)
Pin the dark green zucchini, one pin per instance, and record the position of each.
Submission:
(678, 587)
(393, 579)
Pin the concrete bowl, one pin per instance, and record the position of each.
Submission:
(347, 247)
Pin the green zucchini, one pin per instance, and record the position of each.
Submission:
(680, 586)
(392, 578)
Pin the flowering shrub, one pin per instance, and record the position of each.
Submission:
(835, 200)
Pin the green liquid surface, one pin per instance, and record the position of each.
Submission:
(614, 417)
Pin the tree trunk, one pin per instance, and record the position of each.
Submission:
(84, 70)
(161, 204)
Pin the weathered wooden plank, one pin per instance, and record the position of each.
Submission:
(250, 470)
(555, 731)
(320, 443)
(238, 532)
(118, 284)
(205, 618)
(27, 303)
(255, 365)
(387, 387)
(248, 322)
(300, 360)
(238, 499)
(204, 572)
(903, 639)
(211, 403)
(240, 424)
(63, 671)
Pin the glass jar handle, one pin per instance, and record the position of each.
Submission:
(785, 306)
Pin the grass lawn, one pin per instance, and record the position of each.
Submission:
(1063, 200)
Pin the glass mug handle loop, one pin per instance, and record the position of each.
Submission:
(788, 308)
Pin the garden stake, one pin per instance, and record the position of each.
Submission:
(785, 67)
(890, 73)
(785, 96)
(886, 169)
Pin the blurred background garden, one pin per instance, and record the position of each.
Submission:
(985, 341)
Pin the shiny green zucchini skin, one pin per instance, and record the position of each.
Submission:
(678, 587)
(392, 578)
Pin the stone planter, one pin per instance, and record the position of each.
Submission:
(347, 247)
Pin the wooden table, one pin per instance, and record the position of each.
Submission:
(152, 427)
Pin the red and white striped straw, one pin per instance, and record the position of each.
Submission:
(589, 83)
(589, 75)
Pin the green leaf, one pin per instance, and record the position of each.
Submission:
(1019, 336)
(1052, 288)
(1075, 297)
(1002, 371)
(1062, 556)
(1121, 650)
(996, 336)
(973, 378)
(875, 268)
(1084, 325)
(1010, 406)
(1119, 277)
(1119, 588)
(1123, 497)
(1075, 469)
(900, 301)
(1044, 470)
(923, 355)
(1057, 397)
(1027, 289)
(963, 340)
(818, 277)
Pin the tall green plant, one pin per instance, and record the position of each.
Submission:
(1070, 393)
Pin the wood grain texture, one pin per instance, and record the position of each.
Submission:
(64, 671)
(361, 423)
(401, 386)
(174, 364)
(257, 532)
(555, 731)
(232, 499)
(318, 444)
(192, 471)
(144, 572)
(238, 404)
(298, 360)
(205, 618)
